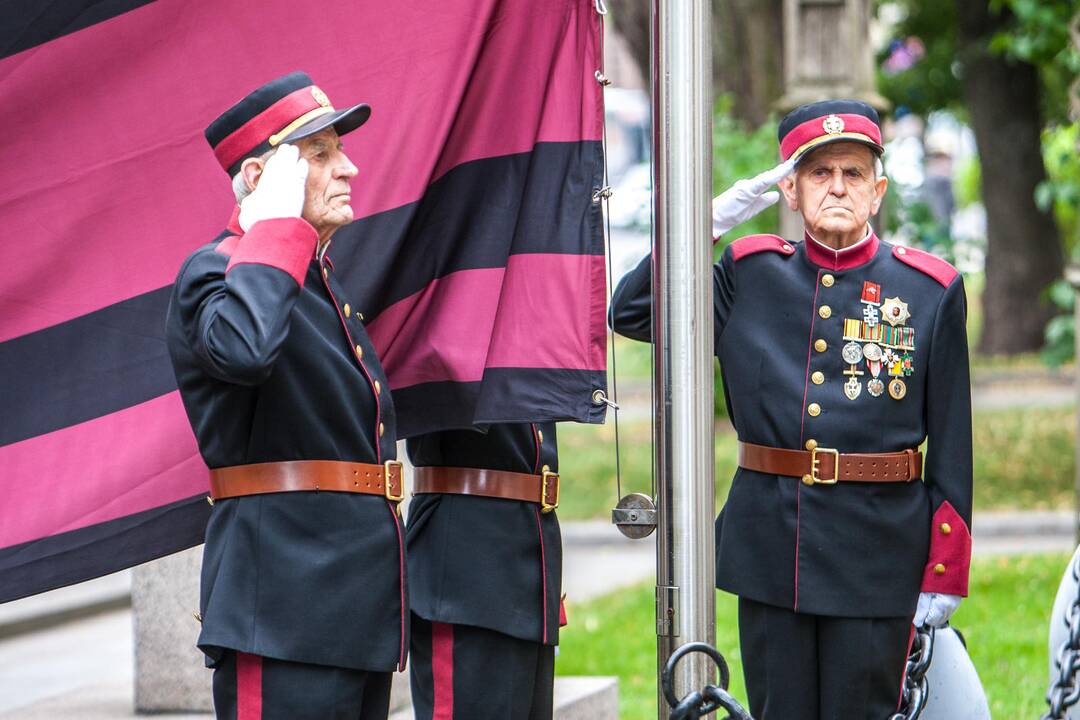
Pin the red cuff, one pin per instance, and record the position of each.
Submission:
(949, 559)
(562, 611)
(287, 244)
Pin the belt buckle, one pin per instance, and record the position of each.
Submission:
(815, 463)
(401, 481)
(545, 476)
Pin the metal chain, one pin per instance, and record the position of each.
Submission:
(916, 689)
(1064, 691)
(700, 703)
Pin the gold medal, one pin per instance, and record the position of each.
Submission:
(897, 389)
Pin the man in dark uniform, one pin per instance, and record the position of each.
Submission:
(840, 355)
(303, 608)
(485, 571)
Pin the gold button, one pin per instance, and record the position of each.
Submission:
(378, 387)
(946, 528)
(814, 409)
(811, 444)
(820, 345)
(382, 429)
(825, 312)
(347, 310)
(827, 280)
(787, 248)
(808, 479)
(939, 569)
(902, 251)
(540, 435)
(359, 352)
(818, 377)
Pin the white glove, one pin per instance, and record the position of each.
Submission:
(747, 198)
(935, 609)
(280, 191)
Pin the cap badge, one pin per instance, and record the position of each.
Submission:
(833, 125)
(320, 96)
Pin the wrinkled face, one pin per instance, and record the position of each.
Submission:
(327, 198)
(835, 189)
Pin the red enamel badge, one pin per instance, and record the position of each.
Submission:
(871, 293)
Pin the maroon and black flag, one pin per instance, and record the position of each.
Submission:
(476, 257)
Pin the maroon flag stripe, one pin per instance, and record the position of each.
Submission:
(127, 166)
(123, 463)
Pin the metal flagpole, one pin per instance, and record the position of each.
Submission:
(683, 337)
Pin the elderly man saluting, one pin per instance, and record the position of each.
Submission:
(303, 603)
(840, 355)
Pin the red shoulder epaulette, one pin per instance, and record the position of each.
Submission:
(932, 265)
(760, 243)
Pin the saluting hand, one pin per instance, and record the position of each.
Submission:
(280, 190)
(747, 198)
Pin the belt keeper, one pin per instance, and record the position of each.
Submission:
(910, 464)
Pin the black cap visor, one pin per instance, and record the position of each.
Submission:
(344, 121)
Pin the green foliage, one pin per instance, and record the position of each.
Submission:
(967, 182)
(1061, 190)
(1004, 622)
(1060, 334)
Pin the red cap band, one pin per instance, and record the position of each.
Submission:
(855, 127)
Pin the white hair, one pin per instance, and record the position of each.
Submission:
(239, 186)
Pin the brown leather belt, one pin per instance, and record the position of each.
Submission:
(308, 475)
(542, 489)
(824, 466)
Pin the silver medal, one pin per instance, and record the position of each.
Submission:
(852, 353)
(852, 388)
(875, 387)
(872, 352)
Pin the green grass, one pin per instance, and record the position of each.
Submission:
(1024, 459)
(1004, 622)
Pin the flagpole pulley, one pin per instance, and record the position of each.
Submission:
(635, 516)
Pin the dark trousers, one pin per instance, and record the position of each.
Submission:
(251, 687)
(816, 667)
(461, 672)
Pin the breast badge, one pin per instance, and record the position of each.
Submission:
(878, 346)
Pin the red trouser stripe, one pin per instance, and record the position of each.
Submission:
(442, 670)
(248, 686)
(903, 670)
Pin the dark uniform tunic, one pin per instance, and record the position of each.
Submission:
(485, 575)
(784, 312)
(480, 561)
(274, 365)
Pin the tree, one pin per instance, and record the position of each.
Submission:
(1004, 64)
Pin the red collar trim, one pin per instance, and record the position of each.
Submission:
(234, 222)
(858, 254)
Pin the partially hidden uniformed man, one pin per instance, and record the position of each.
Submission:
(304, 609)
(485, 572)
(840, 354)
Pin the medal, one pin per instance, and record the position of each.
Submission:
(875, 387)
(871, 293)
(870, 315)
(852, 353)
(852, 388)
(895, 311)
(872, 352)
(897, 389)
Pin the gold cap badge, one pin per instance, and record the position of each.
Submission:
(320, 96)
(833, 125)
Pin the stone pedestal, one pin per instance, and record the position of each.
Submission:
(170, 675)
